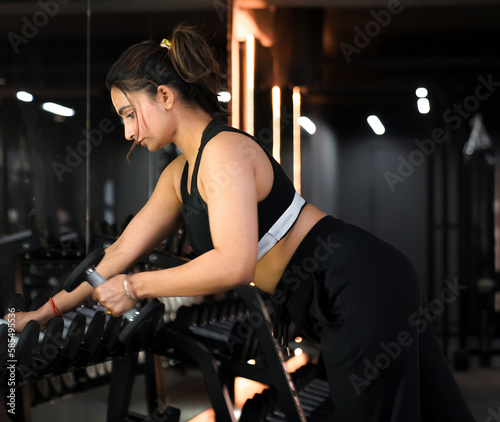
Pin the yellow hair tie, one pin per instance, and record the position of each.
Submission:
(165, 43)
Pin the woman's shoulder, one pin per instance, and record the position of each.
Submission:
(171, 175)
(178, 162)
(230, 143)
(173, 171)
(175, 166)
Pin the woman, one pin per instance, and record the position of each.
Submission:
(356, 295)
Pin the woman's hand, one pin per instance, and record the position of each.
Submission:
(112, 296)
(20, 319)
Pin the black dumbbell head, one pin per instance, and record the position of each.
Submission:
(51, 342)
(74, 336)
(78, 274)
(27, 344)
(38, 301)
(15, 302)
(111, 331)
(95, 330)
(147, 321)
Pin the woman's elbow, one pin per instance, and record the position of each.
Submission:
(246, 278)
(245, 272)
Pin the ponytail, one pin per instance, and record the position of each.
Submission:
(187, 64)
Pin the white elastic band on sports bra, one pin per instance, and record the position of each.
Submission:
(278, 230)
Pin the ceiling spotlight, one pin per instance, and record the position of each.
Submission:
(58, 109)
(24, 96)
(421, 92)
(376, 125)
(307, 124)
(424, 106)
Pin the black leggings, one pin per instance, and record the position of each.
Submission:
(360, 298)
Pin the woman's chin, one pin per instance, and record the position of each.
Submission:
(156, 147)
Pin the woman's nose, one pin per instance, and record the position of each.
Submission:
(129, 133)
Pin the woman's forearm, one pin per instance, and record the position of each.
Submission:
(209, 273)
(65, 302)
(114, 262)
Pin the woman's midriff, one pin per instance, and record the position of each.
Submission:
(271, 266)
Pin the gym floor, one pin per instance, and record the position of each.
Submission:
(185, 388)
(480, 386)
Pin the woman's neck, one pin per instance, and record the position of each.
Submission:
(191, 124)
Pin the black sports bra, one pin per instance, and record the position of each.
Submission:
(276, 213)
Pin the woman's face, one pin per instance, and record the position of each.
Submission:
(146, 120)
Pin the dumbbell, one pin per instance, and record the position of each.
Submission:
(199, 319)
(69, 381)
(16, 302)
(50, 342)
(64, 334)
(111, 327)
(69, 342)
(24, 343)
(67, 335)
(51, 339)
(96, 374)
(93, 330)
(186, 317)
(135, 321)
(38, 301)
(73, 335)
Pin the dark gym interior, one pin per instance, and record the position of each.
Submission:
(430, 184)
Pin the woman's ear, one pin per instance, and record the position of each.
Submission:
(166, 96)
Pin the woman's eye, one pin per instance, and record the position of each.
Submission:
(130, 116)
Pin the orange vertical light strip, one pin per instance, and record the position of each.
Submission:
(235, 77)
(297, 158)
(276, 100)
(250, 83)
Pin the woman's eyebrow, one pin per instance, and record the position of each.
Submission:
(122, 109)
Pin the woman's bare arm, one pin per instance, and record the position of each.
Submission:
(159, 217)
(228, 184)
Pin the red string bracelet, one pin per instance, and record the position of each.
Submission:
(54, 308)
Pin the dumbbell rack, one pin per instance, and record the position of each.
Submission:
(287, 400)
(314, 396)
(290, 396)
(282, 401)
(31, 379)
(220, 367)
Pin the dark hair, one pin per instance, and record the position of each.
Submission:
(189, 66)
